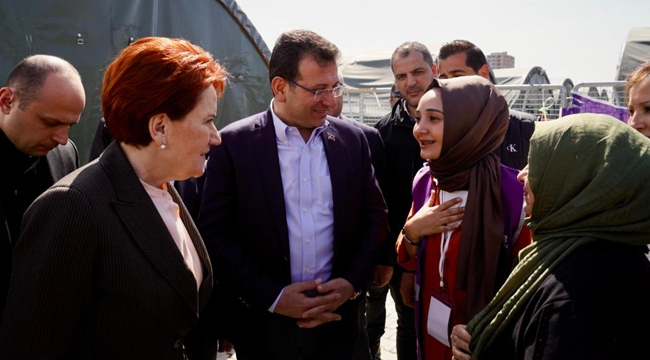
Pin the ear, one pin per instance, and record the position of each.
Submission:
(159, 128)
(434, 68)
(484, 71)
(7, 100)
(280, 87)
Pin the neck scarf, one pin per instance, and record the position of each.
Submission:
(589, 175)
(476, 119)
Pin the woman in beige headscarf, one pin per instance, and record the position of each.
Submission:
(581, 290)
(459, 263)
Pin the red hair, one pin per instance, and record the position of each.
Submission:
(155, 75)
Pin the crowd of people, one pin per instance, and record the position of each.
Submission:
(282, 234)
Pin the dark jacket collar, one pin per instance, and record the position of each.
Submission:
(15, 162)
(400, 115)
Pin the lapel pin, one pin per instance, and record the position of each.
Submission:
(331, 136)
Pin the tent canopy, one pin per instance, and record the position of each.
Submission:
(369, 70)
(636, 51)
(521, 76)
(89, 34)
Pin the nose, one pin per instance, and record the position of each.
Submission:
(61, 135)
(410, 80)
(418, 129)
(522, 174)
(329, 100)
(635, 121)
(215, 138)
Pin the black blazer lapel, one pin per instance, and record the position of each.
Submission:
(142, 220)
(266, 151)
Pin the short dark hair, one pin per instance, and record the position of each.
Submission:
(635, 77)
(474, 57)
(407, 48)
(394, 92)
(293, 46)
(28, 77)
(156, 75)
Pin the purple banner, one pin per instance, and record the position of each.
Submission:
(585, 104)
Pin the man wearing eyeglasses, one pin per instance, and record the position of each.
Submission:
(292, 215)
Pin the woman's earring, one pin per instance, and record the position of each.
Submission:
(163, 146)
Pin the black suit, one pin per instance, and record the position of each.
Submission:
(243, 221)
(96, 274)
(24, 179)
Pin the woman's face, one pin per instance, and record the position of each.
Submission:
(429, 124)
(190, 138)
(639, 107)
(529, 197)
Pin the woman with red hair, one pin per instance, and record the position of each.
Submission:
(109, 264)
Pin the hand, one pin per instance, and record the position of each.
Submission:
(325, 312)
(294, 303)
(381, 275)
(460, 343)
(434, 219)
(407, 289)
(225, 345)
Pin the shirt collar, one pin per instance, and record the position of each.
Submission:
(281, 127)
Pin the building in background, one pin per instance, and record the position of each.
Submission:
(501, 60)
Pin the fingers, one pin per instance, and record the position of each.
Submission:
(338, 285)
(432, 198)
(304, 285)
(449, 203)
(225, 346)
(331, 304)
(407, 289)
(460, 339)
(321, 319)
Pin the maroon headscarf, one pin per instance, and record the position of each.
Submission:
(476, 120)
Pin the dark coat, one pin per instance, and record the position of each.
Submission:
(402, 163)
(59, 162)
(593, 305)
(96, 274)
(243, 222)
(513, 152)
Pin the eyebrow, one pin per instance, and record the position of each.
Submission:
(56, 121)
(434, 110)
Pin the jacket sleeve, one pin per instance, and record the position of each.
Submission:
(219, 219)
(51, 283)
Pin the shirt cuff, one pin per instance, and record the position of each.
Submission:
(275, 303)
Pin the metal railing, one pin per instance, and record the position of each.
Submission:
(366, 105)
(370, 105)
(544, 100)
(612, 92)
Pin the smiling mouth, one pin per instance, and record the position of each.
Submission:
(426, 143)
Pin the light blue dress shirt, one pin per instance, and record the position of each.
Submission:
(308, 201)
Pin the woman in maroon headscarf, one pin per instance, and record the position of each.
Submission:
(466, 222)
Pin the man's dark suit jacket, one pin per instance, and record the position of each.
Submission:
(96, 274)
(387, 254)
(243, 222)
(61, 161)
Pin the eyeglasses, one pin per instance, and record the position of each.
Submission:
(320, 95)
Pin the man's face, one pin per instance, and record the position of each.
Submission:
(299, 108)
(412, 76)
(44, 123)
(456, 65)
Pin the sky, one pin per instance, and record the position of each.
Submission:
(577, 39)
